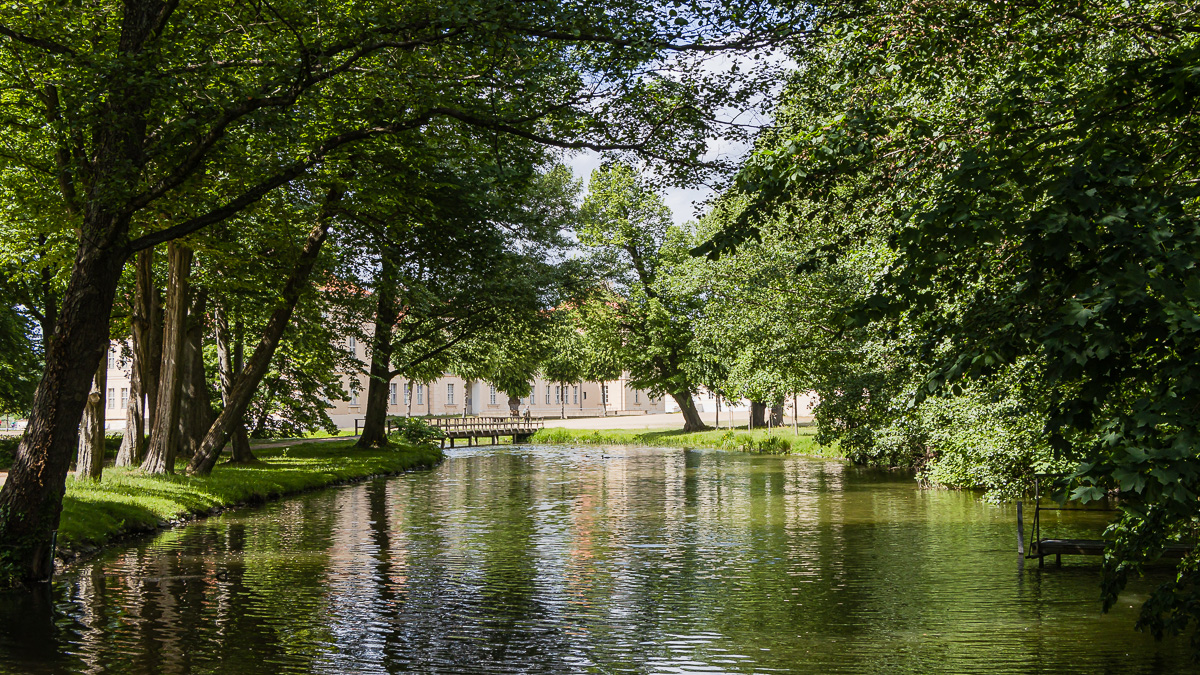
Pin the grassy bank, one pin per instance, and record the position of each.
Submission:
(777, 441)
(127, 501)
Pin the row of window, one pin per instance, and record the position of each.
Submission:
(112, 398)
(558, 393)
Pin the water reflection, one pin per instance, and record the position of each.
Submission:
(552, 560)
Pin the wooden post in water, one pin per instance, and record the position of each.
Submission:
(1020, 529)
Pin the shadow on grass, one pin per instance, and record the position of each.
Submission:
(127, 500)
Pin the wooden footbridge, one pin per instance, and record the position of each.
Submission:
(1041, 547)
(474, 428)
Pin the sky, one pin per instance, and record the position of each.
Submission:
(688, 203)
(685, 203)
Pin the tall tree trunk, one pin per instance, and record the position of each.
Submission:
(777, 415)
(691, 417)
(31, 499)
(133, 446)
(562, 399)
(240, 452)
(164, 434)
(795, 414)
(90, 461)
(374, 433)
(151, 375)
(250, 376)
(195, 414)
(229, 362)
(758, 415)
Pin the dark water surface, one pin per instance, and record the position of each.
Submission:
(590, 560)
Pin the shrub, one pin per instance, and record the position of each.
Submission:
(774, 445)
(8, 451)
(415, 431)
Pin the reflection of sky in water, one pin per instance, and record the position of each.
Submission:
(591, 560)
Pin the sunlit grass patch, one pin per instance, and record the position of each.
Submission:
(127, 500)
(774, 441)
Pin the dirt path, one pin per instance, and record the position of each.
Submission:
(299, 441)
(657, 421)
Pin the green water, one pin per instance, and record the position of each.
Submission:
(590, 560)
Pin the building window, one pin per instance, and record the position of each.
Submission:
(547, 394)
(492, 400)
(112, 395)
(124, 397)
(710, 395)
(112, 360)
(575, 394)
(585, 395)
(449, 394)
(557, 395)
(420, 394)
(637, 396)
(392, 393)
(604, 393)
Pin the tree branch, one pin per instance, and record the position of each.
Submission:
(260, 190)
(40, 43)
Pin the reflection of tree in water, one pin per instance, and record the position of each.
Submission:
(478, 599)
(548, 560)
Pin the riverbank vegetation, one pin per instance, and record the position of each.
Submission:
(970, 229)
(361, 193)
(974, 232)
(127, 500)
(776, 442)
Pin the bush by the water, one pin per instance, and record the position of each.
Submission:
(415, 430)
(769, 445)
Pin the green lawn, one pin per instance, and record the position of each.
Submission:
(127, 500)
(777, 441)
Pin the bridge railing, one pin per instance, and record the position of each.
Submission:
(486, 426)
(479, 426)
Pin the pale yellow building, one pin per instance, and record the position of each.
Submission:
(447, 395)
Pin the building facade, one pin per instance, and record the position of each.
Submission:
(447, 395)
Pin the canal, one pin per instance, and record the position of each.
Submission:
(591, 560)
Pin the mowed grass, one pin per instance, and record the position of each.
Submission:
(127, 500)
(726, 439)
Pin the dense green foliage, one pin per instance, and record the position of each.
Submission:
(1017, 187)
(415, 431)
(649, 300)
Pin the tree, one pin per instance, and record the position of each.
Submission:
(601, 346)
(110, 105)
(564, 361)
(456, 238)
(1040, 212)
(630, 228)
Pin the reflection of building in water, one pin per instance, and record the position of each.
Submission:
(359, 610)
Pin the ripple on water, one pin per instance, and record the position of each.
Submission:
(559, 560)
